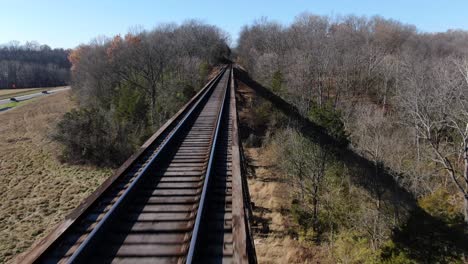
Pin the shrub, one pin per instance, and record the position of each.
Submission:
(441, 204)
(391, 255)
(301, 216)
(131, 106)
(305, 219)
(330, 118)
(90, 136)
(277, 82)
(204, 70)
(351, 247)
(263, 113)
(428, 239)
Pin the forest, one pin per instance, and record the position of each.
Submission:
(128, 86)
(33, 65)
(391, 185)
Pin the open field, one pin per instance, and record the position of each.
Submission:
(8, 93)
(37, 190)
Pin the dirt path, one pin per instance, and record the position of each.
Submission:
(37, 190)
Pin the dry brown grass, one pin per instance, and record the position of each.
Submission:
(37, 190)
(272, 197)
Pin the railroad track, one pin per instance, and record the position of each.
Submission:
(178, 200)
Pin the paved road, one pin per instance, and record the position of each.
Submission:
(34, 95)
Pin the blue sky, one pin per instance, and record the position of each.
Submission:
(67, 23)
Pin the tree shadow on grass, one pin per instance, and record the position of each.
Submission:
(364, 169)
(422, 237)
(427, 239)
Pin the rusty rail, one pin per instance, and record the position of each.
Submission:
(153, 207)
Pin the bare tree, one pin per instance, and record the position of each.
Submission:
(305, 163)
(437, 108)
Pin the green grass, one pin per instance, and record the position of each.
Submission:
(15, 104)
(9, 105)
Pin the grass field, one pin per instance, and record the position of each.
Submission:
(9, 105)
(16, 104)
(8, 93)
(37, 190)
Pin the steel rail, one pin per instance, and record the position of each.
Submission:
(47, 243)
(196, 227)
(81, 250)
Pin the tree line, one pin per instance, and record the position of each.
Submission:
(33, 65)
(401, 96)
(127, 86)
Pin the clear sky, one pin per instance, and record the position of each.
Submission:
(67, 23)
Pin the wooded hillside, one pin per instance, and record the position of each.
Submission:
(399, 98)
